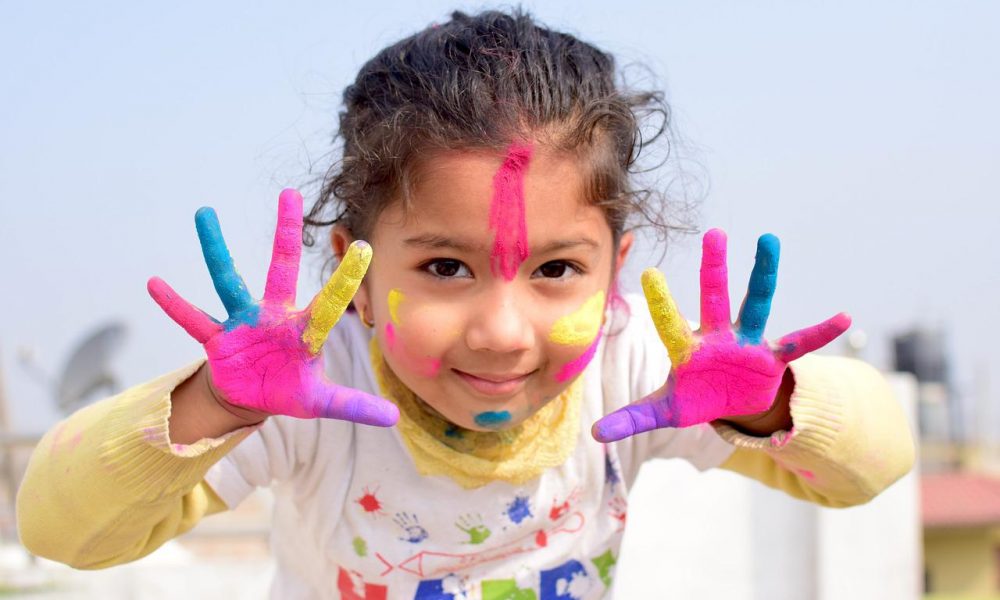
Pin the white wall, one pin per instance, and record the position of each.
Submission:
(717, 534)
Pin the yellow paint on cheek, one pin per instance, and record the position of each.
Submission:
(395, 299)
(580, 327)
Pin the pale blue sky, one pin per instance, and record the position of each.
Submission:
(865, 135)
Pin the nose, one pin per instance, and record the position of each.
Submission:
(501, 323)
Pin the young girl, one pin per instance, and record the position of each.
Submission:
(437, 442)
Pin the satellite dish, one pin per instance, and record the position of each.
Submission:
(88, 370)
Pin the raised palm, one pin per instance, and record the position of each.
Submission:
(723, 369)
(267, 356)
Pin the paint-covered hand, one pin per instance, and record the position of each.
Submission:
(267, 356)
(721, 370)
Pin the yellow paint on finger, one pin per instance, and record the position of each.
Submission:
(395, 299)
(580, 327)
(328, 306)
(673, 329)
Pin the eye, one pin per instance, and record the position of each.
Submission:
(557, 269)
(447, 268)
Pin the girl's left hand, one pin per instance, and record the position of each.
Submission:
(722, 370)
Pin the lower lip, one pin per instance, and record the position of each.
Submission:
(493, 388)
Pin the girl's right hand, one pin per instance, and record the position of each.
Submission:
(266, 358)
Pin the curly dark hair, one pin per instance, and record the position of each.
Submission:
(484, 81)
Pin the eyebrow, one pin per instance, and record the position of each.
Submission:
(436, 241)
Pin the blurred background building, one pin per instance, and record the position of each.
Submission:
(960, 483)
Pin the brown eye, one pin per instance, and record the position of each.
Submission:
(556, 269)
(552, 269)
(447, 268)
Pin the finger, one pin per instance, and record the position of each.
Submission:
(804, 341)
(349, 404)
(199, 325)
(714, 282)
(763, 280)
(228, 283)
(652, 412)
(283, 274)
(326, 309)
(673, 329)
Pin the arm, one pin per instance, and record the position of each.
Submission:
(107, 486)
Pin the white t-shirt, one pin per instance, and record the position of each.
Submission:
(354, 519)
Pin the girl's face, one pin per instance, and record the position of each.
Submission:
(480, 332)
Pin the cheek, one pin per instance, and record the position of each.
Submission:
(580, 327)
(575, 337)
(417, 335)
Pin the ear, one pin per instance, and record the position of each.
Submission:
(624, 247)
(340, 239)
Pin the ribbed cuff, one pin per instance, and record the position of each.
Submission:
(137, 448)
(817, 416)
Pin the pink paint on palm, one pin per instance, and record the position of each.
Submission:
(507, 218)
(722, 379)
(578, 364)
(267, 367)
(259, 359)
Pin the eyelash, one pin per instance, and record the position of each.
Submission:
(428, 267)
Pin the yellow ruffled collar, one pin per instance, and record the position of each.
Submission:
(475, 458)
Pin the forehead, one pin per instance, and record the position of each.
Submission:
(452, 192)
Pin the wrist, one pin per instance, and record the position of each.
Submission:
(198, 411)
(244, 416)
(776, 418)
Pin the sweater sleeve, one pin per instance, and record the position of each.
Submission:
(849, 439)
(106, 486)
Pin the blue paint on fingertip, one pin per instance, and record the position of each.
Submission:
(763, 280)
(228, 283)
(492, 419)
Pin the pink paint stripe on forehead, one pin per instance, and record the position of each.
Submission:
(507, 219)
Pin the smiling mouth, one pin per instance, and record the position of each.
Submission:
(493, 385)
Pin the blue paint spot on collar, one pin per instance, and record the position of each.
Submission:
(492, 418)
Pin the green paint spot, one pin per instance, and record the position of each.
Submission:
(505, 589)
(604, 563)
(360, 546)
(473, 526)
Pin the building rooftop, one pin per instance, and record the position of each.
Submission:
(959, 499)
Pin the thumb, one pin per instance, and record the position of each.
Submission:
(348, 404)
(652, 412)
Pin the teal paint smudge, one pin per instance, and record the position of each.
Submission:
(492, 418)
